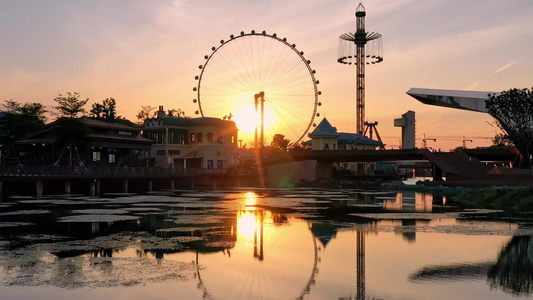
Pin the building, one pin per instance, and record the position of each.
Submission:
(84, 142)
(326, 137)
(408, 124)
(207, 143)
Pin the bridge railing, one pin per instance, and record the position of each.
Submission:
(121, 172)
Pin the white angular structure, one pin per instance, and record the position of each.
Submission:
(466, 100)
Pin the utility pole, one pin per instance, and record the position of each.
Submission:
(259, 140)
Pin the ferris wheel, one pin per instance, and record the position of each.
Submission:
(256, 63)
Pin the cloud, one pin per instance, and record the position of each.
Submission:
(473, 86)
(504, 67)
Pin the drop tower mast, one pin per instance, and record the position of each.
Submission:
(367, 46)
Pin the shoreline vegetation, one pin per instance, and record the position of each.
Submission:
(510, 199)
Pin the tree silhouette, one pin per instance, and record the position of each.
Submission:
(280, 142)
(107, 109)
(70, 106)
(513, 111)
(145, 113)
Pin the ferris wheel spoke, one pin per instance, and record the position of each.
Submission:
(221, 73)
(251, 63)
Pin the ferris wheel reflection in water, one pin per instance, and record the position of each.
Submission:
(254, 233)
(256, 230)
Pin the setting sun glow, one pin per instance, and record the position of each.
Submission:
(246, 119)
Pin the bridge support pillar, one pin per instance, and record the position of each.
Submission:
(40, 188)
(150, 185)
(67, 187)
(437, 173)
(125, 186)
(93, 188)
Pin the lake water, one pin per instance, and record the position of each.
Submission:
(261, 244)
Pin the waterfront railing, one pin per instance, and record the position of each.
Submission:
(122, 172)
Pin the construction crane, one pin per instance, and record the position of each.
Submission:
(424, 141)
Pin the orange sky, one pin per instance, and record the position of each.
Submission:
(148, 53)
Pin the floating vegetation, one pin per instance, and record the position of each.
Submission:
(110, 211)
(95, 272)
(198, 219)
(204, 195)
(34, 238)
(407, 216)
(143, 209)
(26, 212)
(53, 202)
(205, 204)
(119, 194)
(180, 229)
(14, 224)
(88, 218)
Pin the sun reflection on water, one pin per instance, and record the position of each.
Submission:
(246, 225)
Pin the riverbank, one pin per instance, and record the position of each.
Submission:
(507, 198)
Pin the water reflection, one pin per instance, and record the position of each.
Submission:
(258, 232)
(303, 245)
(421, 202)
(512, 272)
(249, 223)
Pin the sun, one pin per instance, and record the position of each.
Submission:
(246, 119)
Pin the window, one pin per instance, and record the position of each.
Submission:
(220, 164)
(128, 133)
(209, 137)
(233, 139)
(199, 137)
(171, 137)
(160, 152)
(326, 146)
(96, 156)
(193, 137)
(210, 164)
(177, 136)
(111, 158)
(174, 152)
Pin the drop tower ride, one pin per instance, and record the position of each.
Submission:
(355, 48)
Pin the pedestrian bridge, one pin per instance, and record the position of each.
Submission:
(462, 166)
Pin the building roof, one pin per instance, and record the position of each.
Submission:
(359, 139)
(50, 134)
(324, 130)
(190, 122)
(110, 125)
